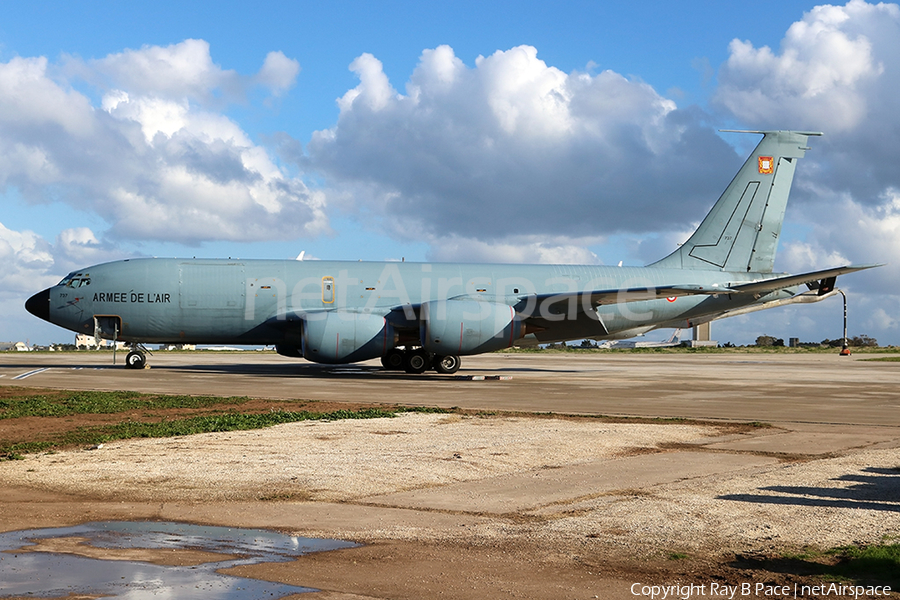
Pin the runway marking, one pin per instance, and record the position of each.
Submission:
(30, 373)
(347, 371)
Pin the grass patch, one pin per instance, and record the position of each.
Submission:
(884, 359)
(868, 565)
(880, 562)
(123, 415)
(18, 451)
(64, 404)
(231, 421)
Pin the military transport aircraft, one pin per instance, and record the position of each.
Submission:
(417, 316)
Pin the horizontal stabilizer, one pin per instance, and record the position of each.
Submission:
(616, 296)
(592, 298)
(779, 283)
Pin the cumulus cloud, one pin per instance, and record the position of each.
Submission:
(827, 67)
(837, 70)
(514, 147)
(31, 263)
(157, 159)
(28, 263)
(183, 70)
(278, 73)
(851, 232)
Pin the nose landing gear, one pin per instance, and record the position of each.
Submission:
(137, 357)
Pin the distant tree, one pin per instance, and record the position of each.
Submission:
(863, 341)
(588, 344)
(766, 341)
(857, 340)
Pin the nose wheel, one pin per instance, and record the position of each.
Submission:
(137, 358)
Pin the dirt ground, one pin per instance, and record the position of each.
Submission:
(377, 569)
(401, 569)
(420, 553)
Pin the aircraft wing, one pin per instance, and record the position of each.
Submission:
(778, 283)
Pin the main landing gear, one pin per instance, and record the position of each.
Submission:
(418, 361)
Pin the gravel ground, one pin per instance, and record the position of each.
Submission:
(827, 502)
(821, 503)
(338, 460)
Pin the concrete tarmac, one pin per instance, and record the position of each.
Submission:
(822, 402)
(822, 389)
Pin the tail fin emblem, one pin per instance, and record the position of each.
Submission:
(766, 165)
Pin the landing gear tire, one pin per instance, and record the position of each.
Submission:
(417, 361)
(393, 360)
(135, 360)
(447, 364)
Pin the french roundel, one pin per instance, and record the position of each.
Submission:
(672, 298)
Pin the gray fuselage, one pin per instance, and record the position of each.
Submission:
(263, 301)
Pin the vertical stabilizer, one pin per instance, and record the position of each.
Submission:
(741, 231)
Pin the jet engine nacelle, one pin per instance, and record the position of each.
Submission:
(339, 336)
(459, 327)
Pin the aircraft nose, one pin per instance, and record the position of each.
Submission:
(39, 305)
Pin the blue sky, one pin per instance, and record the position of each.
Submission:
(507, 132)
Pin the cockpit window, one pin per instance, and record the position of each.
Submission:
(74, 280)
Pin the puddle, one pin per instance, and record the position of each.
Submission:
(137, 560)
